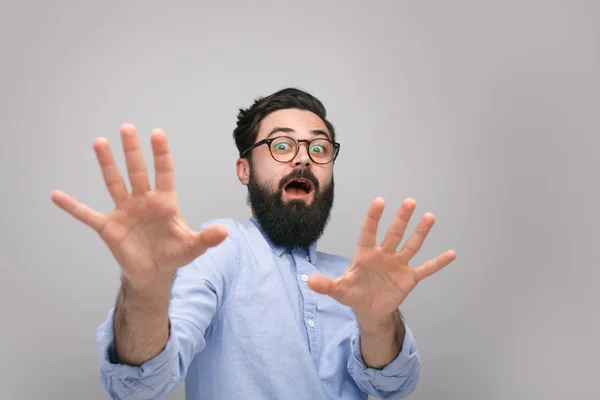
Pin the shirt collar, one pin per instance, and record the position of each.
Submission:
(279, 250)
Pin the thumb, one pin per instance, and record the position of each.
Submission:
(208, 237)
(321, 284)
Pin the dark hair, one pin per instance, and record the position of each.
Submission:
(249, 119)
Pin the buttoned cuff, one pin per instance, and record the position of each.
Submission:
(122, 378)
(399, 375)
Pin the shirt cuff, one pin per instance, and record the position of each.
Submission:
(399, 376)
(124, 379)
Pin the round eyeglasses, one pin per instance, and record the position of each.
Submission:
(284, 149)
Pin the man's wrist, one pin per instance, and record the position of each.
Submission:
(383, 327)
(381, 338)
(376, 324)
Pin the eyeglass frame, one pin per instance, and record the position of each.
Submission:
(268, 141)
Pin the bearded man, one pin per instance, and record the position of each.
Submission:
(251, 309)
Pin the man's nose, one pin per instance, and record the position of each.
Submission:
(302, 157)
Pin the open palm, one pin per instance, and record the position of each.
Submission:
(145, 231)
(379, 278)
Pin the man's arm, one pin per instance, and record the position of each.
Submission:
(381, 341)
(141, 322)
(384, 361)
(376, 282)
(145, 348)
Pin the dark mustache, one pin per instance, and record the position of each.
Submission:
(300, 173)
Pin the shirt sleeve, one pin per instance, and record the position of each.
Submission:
(396, 380)
(199, 289)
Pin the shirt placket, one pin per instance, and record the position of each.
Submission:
(303, 270)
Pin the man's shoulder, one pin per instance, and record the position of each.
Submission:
(332, 258)
(229, 222)
(233, 225)
(230, 247)
(331, 265)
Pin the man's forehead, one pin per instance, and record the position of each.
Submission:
(301, 121)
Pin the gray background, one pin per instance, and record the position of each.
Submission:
(486, 112)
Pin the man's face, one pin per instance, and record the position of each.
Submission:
(291, 200)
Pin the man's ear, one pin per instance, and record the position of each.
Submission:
(242, 167)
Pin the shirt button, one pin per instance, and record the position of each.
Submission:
(311, 323)
(304, 278)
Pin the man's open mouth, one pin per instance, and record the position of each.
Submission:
(298, 187)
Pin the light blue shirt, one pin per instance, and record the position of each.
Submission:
(245, 325)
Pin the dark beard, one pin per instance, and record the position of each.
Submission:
(291, 224)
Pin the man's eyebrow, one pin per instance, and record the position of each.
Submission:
(280, 129)
(320, 132)
(290, 130)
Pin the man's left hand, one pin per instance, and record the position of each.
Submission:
(379, 278)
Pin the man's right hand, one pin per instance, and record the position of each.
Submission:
(145, 231)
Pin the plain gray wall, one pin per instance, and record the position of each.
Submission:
(486, 112)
